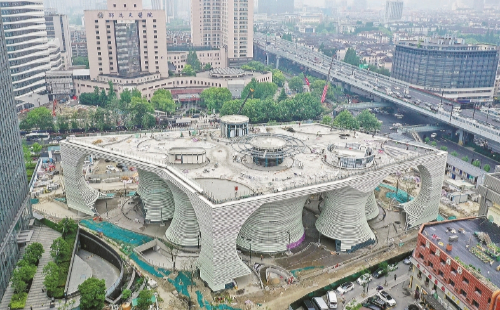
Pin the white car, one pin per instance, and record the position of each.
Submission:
(110, 167)
(364, 279)
(433, 135)
(387, 298)
(346, 287)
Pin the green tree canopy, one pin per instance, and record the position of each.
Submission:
(81, 61)
(41, 118)
(51, 281)
(296, 84)
(260, 90)
(282, 95)
(60, 250)
(88, 99)
(139, 107)
(487, 168)
(92, 294)
(215, 97)
(37, 148)
(193, 61)
(351, 57)
(454, 154)
(368, 121)
(162, 100)
(126, 96)
(188, 70)
(465, 158)
(33, 252)
(207, 67)
(278, 77)
(68, 226)
(144, 299)
(327, 120)
(136, 93)
(345, 120)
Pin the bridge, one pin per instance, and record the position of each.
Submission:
(420, 128)
(373, 85)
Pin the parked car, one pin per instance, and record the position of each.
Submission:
(110, 167)
(331, 299)
(364, 279)
(407, 261)
(379, 273)
(377, 301)
(372, 307)
(387, 298)
(119, 165)
(58, 138)
(346, 287)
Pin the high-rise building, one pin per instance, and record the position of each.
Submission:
(271, 7)
(27, 44)
(448, 66)
(14, 198)
(224, 23)
(169, 6)
(393, 11)
(126, 40)
(58, 28)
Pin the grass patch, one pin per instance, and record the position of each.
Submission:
(18, 301)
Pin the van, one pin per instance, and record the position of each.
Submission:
(320, 303)
(331, 299)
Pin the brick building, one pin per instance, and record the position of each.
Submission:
(455, 264)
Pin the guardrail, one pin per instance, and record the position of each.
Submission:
(103, 176)
(70, 270)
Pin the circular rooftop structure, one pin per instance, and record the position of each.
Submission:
(268, 150)
(234, 126)
(226, 73)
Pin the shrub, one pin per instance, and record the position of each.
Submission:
(18, 301)
(465, 158)
(487, 168)
(454, 154)
(434, 143)
(444, 148)
(126, 294)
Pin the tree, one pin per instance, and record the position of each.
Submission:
(60, 250)
(136, 93)
(207, 67)
(345, 120)
(260, 90)
(138, 108)
(88, 99)
(327, 120)
(162, 100)
(81, 61)
(454, 154)
(487, 168)
(148, 121)
(434, 143)
(296, 84)
(351, 57)
(476, 163)
(67, 226)
(278, 77)
(51, 281)
(37, 148)
(41, 118)
(188, 70)
(144, 300)
(465, 158)
(214, 98)
(33, 252)
(62, 123)
(368, 121)
(126, 96)
(427, 140)
(192, 60)
(92, 294)
(126, 294)
(111, 92)
(444, 148)
(282, 95)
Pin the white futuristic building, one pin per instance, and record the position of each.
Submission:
(249, 191)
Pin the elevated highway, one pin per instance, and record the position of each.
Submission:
(382, 88)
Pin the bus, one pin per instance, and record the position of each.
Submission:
(38, 136)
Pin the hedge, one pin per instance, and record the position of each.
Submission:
(18, 301)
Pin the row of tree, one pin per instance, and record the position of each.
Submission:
(366, 120)
(130, 110)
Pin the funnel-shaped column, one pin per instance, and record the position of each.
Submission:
(156, 197)
(371, 209)
(343, 218)
(183, 229)
(274, 227)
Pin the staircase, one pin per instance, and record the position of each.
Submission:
(36, 298)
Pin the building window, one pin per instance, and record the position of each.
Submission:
(440, 273)
(463, 293)
(135, 5)
(114, 5)
(124, 5)
(478, 291)
(96, 21)
(465, 280)
(452, 283)
(453, 271)
(421, 256)
(475, 304)
(431, 264)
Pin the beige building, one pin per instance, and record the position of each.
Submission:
(126, 40)
(216, 58)
(224, 23)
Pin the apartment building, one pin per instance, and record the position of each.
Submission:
(58, 28)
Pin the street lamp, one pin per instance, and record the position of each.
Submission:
(289, 242)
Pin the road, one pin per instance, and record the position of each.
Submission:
(386, 88)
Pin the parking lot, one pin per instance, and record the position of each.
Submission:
(395, 287)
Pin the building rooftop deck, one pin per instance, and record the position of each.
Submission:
(465, 229)
(306, 149)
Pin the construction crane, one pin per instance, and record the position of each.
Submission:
(325, 90)
(245, 101)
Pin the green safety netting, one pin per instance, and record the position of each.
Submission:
(157, 272)
(116, 233)
(182, 283)
(401, 196)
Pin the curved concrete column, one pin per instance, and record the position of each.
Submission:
(80, 196)
(343, 218)
(425, 207)
(183, 229)
(371, 208)
(156, 197)
(268, 227)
